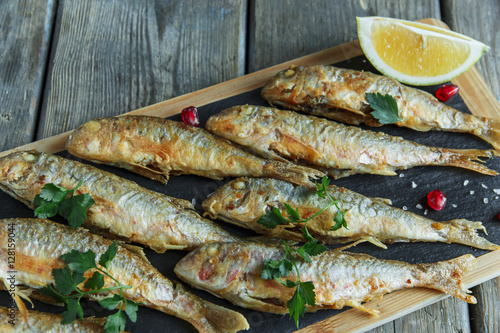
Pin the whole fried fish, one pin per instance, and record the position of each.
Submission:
(121, 206)
(233, 271)
(335, 148)
(339, 94)
(156, 147)
(244, 200)
(43, 322)
(40, 244)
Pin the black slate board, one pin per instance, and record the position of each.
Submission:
(462, 203)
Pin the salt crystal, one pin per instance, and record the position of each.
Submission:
(484, 186)
(413, 184)
(425, 212)
(454, 205)
(405, 208)
(496, 197)
(471, 192)
(485, 200)
(419, 206)
(401, 175)
(466, 182)
(496, 190)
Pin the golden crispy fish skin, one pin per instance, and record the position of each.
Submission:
(339, 94)
(337, 149)
(156, 147)
(233, 271)
(121, 206)
(244, 200)
(40, 243)
(44, 322)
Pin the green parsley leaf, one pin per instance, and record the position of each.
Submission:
(385, 108)
(107, 256)
(271, 219)
(131, 308)
(96, 281)
(80, 261)
(116, 322)
(66, 280)
(286, 267)
(306, 290)
(111, 303)
(323, 187)
(74, 209)
(313, 248)
(339, 221)
(293, 214)
(73, 309)
(46, 209)
(49, 291)
(54, 193)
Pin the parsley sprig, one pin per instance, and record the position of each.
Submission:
(67, 279)
(55, 199)
(385, 108)
(277, 269)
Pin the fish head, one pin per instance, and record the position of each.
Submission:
(214, 267)
(242, 200)
(89, 137)
(234, 271)
(16, 170)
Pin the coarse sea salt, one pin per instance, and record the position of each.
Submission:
(496, 190)
(413, 184)
(454, 205)
(471, 192)
(405, 208)
(401, 175)
(485, 200)
(484, 186)
(419, 206)
(425, 212)
(466, 182)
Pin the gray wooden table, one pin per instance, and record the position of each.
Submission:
(68, 61)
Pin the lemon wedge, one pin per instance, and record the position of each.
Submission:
(416, 53)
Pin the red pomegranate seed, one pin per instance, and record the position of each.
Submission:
(190, 116)
(446, 91)
(436, 199)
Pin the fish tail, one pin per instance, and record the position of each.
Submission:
(446, 276)
(467, 159)
(206, 317)
(292, 173)
(222, 320)
(492, 132)
(463, 231)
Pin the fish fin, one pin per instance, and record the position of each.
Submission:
(462, 231)
(359, 306)
(20, 304)
(292, 149)
(384, 201)
(137, 250)
(492, 134)
(446, 276)
(465, 158)
(340, 173)
(363, 239)
(148, 172)
(292, 173)
(215, 318)
(163, 247)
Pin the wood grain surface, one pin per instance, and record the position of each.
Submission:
(111, 57)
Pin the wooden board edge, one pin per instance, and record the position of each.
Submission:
(402, 302)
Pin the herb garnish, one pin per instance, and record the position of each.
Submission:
(276, 269)
(68, 278)
(55, 199)
(385, 108)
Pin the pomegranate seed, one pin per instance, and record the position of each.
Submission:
(436, 199)
(190, 116)
(446, 91)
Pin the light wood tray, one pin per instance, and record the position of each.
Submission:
(476, 95)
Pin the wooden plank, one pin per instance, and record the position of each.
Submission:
(482, 23)
(24, 38)
(110, 57)
(281, 30)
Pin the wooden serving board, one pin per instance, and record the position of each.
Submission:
(474, 92)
